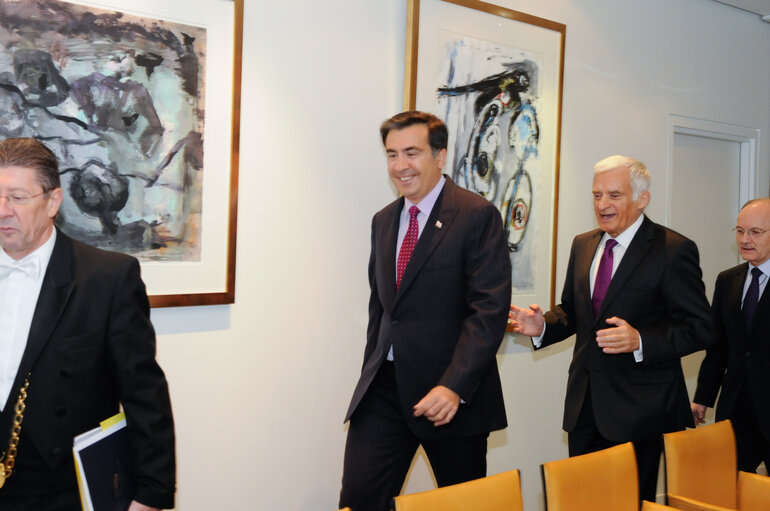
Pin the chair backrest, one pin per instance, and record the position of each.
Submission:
(753, 492)
(701, 464)
(604, 480)
(500, 492)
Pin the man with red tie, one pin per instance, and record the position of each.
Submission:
(440, 277)
(635, 298)
(739, 362)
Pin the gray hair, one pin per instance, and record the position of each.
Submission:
(637, 172)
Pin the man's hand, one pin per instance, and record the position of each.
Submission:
(135, 506)
(698, 413)
(622, 339)
(527, 321)
(439, 405)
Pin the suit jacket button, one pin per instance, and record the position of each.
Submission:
(56, 451)
(61, 412)
(394, 322)
(64, 373)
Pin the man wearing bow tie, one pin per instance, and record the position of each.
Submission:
(440, 277)
(75, 343)
(739, 362)
(635, 298)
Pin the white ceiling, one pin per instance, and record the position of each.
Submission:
(761, 7)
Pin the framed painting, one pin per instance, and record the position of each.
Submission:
(495, 76)
(140, 102)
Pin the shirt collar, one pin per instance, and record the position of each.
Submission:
(764, 267)
(427, 202)
(42, 254)
(625, 238)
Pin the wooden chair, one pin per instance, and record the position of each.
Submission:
(702, 473)
(605, 480)
(500, 492)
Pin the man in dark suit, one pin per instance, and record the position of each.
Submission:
(634, 296)
(440, 278)
(76, 342)
(739, 362)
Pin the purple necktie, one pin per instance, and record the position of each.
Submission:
(603, 276)
(407, 246)
(751, 299)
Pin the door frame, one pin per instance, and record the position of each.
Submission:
(749, 152)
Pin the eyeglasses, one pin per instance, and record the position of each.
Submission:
(753, 233)
(17, 199)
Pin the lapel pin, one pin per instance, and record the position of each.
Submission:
(438, 224)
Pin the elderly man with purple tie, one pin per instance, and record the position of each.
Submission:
(634, 296)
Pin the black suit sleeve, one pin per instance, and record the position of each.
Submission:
(142, 390)
(487, 273)
(712, 369)
(560, 322)
(375, 307)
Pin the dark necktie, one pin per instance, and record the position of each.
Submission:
(751, 299)
(603, 276)
(407, 246)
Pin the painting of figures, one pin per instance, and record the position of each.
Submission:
(120, 99)
(489, 98)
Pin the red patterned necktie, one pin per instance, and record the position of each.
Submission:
(407, 246)
(603, 276)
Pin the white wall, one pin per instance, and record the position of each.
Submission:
(260, 388)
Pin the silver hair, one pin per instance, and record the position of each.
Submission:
(637, 171)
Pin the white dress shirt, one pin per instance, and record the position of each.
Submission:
(18, 298)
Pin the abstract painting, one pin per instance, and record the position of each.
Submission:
(489, 100)
(145, 126)
(496, 82)
(120, 100)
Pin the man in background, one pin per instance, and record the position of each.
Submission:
(635, 298)
(739, 362)
(75, 343)
(440, 277)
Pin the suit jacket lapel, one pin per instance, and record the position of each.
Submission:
(583, 260)
(54, 294)
(387, 253)
(444, 211)
(634, 254)
(734, 297)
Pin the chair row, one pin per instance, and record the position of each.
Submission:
(701, 475)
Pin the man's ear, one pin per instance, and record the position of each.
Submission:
(55, 198)
(441, 158)
(643, 200)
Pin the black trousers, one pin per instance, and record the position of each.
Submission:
(586, 438)
(752, 446)
(380, 447)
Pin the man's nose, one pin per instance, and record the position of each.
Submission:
(5, 207)
(400, 163)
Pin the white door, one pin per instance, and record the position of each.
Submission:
(704, 202)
